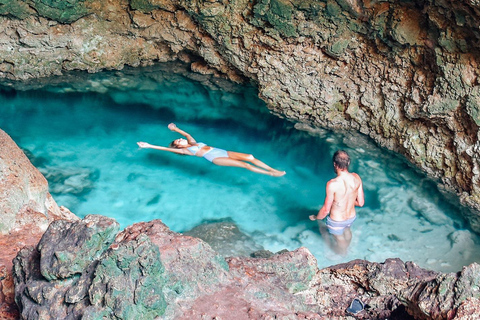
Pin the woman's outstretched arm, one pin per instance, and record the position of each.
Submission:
(145, 145)
(190, 139)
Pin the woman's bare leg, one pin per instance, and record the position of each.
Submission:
(250, 158)
(229, 162)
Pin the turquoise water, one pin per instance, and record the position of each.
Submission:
(82, 135)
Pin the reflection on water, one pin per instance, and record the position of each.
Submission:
(82, 135)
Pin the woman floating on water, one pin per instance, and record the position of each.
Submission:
(219, 157)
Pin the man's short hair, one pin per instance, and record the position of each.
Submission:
(341, 159)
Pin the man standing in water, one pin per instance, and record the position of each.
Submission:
(343, 193)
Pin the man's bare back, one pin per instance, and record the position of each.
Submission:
(345, 189)
(343, 193)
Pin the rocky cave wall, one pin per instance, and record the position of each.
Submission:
(402, 72)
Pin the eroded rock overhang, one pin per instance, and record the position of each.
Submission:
(402, 72)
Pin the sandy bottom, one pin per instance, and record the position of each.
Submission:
(86, 146)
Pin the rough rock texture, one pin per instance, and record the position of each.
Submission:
(122, 284)
(22, 189)
(26, 209)
(86, 238)
(225, 238)
(402, 72)
(150, 271)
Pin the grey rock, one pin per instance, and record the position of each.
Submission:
(225, 238)
(68, 248)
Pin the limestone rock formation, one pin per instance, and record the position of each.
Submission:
(23, 189)
(149, 271)
(26, 210)
(401, 72)
(87, 239)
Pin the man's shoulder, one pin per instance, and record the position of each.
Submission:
(356, 176)
(334, 183)
(333, 180)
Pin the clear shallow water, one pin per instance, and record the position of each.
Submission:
(82, 135)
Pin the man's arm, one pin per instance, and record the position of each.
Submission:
(327, 205)
(145, 145)
(360, 201)
(190, 139)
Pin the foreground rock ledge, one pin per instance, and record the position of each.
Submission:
(147, 271)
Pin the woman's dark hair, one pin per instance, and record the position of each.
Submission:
(173, 144)
(341, 159)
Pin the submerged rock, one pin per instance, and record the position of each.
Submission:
(75, 181)
(225, 238)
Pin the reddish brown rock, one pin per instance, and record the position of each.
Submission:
(189, 280)
(469, 309)
(26, 210)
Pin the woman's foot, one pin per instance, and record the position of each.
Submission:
(276, 173)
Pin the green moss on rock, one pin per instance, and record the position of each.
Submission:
(311, 9)
(473, 105)
(276, 13)
(333, 9)
(128, 283)
(447, 42)
(17, 9)
(337, 49)
(443, 107)
(65, 11)
(468, 286)
(67, 248)
(143, 5)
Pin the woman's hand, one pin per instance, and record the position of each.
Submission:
(172, 126)
(143, 144)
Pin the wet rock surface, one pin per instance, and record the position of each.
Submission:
(149, 271)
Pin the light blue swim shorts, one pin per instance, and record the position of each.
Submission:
(337, 227)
